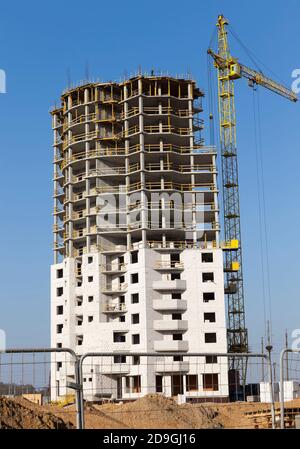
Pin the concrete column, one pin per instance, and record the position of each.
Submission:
(70, 190)
(144, 214)
(167, 385)
(127, 168)
(55, 201)
(216, 204)
(184, 383)
(192, 161)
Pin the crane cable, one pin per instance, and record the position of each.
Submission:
(255, 60)
(263, 228)
(212, 98)
(210, 103)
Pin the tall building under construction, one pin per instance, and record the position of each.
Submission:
(138, 264)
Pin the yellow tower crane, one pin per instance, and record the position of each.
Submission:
(229, 69)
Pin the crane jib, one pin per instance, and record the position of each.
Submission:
(261, 79)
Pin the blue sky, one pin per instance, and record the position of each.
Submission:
(41, 42)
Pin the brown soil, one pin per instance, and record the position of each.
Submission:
(149, 412)
(152, 412)
(19, 413)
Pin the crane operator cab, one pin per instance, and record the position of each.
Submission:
(234, 70)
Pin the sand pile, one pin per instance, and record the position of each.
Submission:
(18, 413)
(153, 411)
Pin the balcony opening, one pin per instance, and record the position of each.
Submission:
(210, 337)
(79, 320)
(59, 273)
(127, 384)
(176, 295)
(135, 318)
(178, 358)
(79, 269)
(136, 384)
(176, 316)
(175, 257)
(59, 291)
(136, 360)
(210, 382)
(207, 277)
(192, 382)
(122, 319)
(177, 384)
(79, 340)
(119, 337)
(177, 337)
(119, 359)
(134, 298)
(208, 296)
(210, 359)
(59, 328)
(119, 387)
(90, 259)
(59, 310)
(209, 317)
(175, 276)
(58, 366)
(159, 384)
(134, 257)
(207, 257)
(134, 278)
(136, 339)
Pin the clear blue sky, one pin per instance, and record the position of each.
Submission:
(40, 42)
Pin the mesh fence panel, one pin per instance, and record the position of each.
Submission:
(130, 390)
(34, 392)
(290, 386)
(135, 390)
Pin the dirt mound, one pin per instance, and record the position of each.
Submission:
(152, 411)
(19, 413)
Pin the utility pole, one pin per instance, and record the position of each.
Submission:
(269, 348)
(274, 370)
(287, 357)
(262, 360)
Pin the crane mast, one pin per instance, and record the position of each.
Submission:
(229, 70)
(237, 333)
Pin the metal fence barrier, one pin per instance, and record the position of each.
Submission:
(289, 386)
(74, 386)
(39, 375)
(195, 378)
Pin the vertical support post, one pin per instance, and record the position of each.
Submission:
(79, 396)
(287, 358)
(282, 355)
(262, 361)
(269, 349)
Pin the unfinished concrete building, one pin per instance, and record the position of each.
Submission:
(137, 260)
